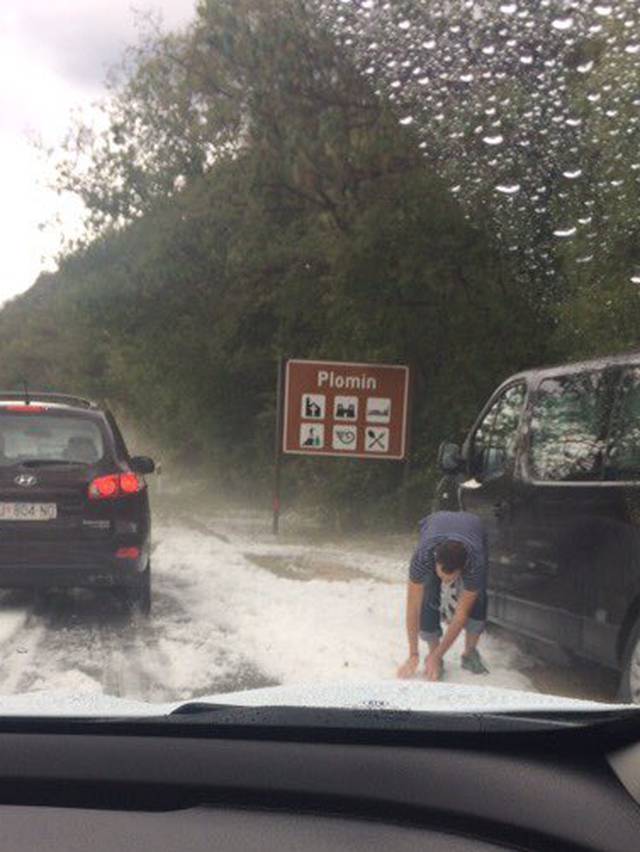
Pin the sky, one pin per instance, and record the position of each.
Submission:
(54, 55)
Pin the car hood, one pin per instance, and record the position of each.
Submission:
(373, 695)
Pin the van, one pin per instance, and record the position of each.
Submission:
(552, 466)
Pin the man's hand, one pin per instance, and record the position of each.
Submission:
(409, 667)
(415, 593)
(433, 666)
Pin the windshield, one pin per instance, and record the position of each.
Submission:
(359, 283)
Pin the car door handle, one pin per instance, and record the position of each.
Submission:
(501, 509)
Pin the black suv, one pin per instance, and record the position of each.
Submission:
(74, 509)
(552, 465)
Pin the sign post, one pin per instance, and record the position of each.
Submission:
(277, 450)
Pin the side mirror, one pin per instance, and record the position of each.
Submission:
(142, 464)
(450, 458)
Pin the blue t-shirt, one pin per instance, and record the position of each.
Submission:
(452, 526)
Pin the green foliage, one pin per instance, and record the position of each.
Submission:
(252, 198)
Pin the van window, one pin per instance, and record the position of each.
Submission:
(623, 457)
(495, 440)
(568, 428)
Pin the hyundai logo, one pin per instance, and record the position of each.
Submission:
(26, 480)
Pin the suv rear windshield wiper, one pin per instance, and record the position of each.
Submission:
(45, 462)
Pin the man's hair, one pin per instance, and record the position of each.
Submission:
(451, 556)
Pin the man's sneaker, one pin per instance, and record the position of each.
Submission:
(472, 662)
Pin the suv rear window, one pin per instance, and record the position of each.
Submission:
(568, 427)
(45, 437)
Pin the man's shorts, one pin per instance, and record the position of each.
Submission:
(430, 627)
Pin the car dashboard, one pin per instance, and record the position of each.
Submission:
(136, 785)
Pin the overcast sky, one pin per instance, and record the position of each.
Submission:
(53, 59)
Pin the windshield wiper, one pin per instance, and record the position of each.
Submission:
(380, 718)
(606, 729)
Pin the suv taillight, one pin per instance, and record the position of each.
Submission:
(115, 485)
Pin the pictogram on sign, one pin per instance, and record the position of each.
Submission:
(313, 406)
(312, 436)
(345, 408)
(377, 439)
(345, 438)
(378, 410)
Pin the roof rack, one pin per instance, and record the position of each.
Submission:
(35, 396)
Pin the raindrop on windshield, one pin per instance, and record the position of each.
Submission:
(545, 131)
(562, 23)
(508, 188)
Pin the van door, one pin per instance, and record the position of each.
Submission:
(490, 451)
(561, 520)
(613, 589)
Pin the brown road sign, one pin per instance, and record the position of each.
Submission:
(343, 409)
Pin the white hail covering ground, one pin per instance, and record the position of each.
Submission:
(233, 612)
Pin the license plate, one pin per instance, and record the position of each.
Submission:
(28, 511)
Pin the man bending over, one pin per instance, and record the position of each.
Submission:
(452, 547)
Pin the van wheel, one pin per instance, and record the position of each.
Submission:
(629, 690)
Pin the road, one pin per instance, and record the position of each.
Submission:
(235, 609)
